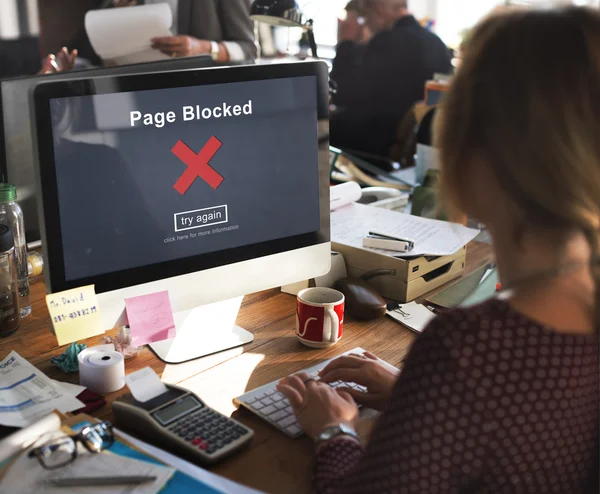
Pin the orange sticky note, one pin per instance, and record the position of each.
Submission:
(150, 318)
(75, 314)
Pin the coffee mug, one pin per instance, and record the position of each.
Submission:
(319, 316)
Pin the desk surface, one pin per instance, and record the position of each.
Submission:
(273, 462)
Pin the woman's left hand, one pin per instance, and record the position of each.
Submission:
(317, 405)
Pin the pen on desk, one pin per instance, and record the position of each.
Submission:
(101, 481)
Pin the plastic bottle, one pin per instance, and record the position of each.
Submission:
(9, 292)
(12, 216)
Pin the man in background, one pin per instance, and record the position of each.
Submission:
(379, 80)
(220, 28)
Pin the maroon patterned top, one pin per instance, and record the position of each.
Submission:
(488, 401)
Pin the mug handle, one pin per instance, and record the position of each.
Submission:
(335, 325)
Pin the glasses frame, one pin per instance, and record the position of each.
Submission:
(105, 429)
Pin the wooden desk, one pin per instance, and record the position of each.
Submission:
(273, 462)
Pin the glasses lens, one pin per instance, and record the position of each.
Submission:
(98, 437)
(57, 452)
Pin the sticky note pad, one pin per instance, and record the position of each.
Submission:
(75, 314)
(150, 318)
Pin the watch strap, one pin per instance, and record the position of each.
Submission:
(214, 50)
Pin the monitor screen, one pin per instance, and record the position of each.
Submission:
(156, 176)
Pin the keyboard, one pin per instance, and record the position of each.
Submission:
(270, 405)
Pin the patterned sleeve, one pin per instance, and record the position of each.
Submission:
(428, 438)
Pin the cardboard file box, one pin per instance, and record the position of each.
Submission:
(413, 277)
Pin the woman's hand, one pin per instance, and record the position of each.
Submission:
(317, 405)
(181, 46)
(63, 61)
(367, 370)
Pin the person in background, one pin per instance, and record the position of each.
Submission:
(63, 61)
(379, 81)
(26, 64)
(504, 396)
(355, 19)
(221, 28)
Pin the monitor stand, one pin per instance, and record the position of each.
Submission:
(203, 331)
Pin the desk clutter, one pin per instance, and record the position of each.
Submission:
(90, 456)
(435, 251)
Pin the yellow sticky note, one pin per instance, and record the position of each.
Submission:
(75, 314)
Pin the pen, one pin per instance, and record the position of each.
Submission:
(95, 481)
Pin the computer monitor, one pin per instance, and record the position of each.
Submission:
(16, 146)
(210, 184)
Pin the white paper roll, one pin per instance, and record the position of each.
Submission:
(102, 369)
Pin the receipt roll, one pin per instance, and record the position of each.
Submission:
(101, 369)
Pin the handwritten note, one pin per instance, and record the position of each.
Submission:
(75, 314)
(150, 318)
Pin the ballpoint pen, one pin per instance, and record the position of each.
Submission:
(100, 481)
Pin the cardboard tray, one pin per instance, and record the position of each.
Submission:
(413, 277)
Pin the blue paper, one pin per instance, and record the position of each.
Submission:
(179, 483)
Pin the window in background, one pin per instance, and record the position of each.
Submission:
(454, 17)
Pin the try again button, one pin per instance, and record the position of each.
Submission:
(199, 218)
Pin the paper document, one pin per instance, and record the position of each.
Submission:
(122, 35)
(27, 395)
(344, 194)
(204, 476)
(70, 388)
(145, 384)
(414, 316)
(75, 314)
(150, 318)
(352, 223)
(27, 476)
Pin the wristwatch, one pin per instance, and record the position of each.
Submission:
(337, 430)
(214, 50)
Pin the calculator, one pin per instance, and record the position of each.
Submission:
(180, 422)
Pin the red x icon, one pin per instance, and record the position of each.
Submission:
(197, 165)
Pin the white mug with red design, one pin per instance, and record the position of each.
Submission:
(319, 317)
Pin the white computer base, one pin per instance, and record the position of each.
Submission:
(203, 331)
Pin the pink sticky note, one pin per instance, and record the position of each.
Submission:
(150, 318)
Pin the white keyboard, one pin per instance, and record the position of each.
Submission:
(270, 405)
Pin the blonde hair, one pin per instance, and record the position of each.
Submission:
(526, 100)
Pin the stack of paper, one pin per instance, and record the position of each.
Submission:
(352, 223)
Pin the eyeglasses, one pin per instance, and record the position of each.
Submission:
(61, 451)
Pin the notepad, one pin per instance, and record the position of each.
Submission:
(414, 316)
(150, 318)
(75, 314)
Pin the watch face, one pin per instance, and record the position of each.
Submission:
(337, 430)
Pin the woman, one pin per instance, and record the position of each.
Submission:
(502, 397)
